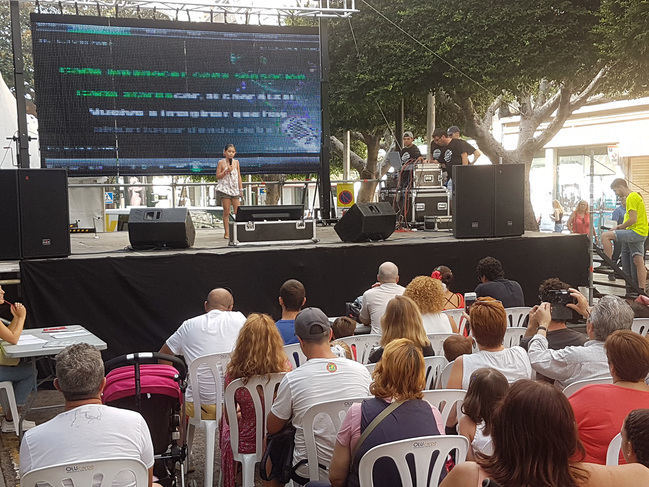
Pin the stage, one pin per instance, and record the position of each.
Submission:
(135, 300)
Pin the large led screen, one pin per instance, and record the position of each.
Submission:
(133, 96)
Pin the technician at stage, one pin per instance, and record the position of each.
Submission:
(409, 151)
(229, 187)
(455, 153)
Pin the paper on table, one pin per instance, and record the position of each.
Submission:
(69, 334)
(26, 339)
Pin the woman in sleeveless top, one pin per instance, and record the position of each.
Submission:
(535, 439)
(579, 221)
(428, 293)
(557, 216)
(453, 300)
(486, 388)
(229, 187)
(399, 376)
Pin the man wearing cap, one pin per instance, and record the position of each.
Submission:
(409, 151)
(323, 377)
(455, 152)
(454, 133)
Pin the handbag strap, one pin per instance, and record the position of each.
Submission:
(375, 422)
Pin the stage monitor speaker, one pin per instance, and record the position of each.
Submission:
(159, 228)
(473, 201)
(34, 213)
(509, 200)
(367, 221)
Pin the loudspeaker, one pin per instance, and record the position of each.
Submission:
(34, 213)
(473, 201)
(366, 221)
(158, 228)
(509, 200)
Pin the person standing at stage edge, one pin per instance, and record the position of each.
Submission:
(410, 155)
(229, 187)
(455, 152)
(632, 233)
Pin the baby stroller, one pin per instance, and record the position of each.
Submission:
(137, 382)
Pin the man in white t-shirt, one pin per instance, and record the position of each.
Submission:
(214, 332)
(323, 377)
(86, 430)
(376, 298)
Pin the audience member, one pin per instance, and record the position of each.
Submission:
(343, 326)
(258, 352)
(635, 435)
(579, 220)
(341, 349)
(457, 345)
(291, 299)
(639, 307)
(87, 429)
(21, 374)
(494, 285)
(453, 300)
(376, 299)
(486, 388)
(600, 409)
(323, 377)
(428, 294)
(589, 361)
(214, 332)
(534, 439)
(399, 379)
(488, 324)
(559, 335)
(402, 319)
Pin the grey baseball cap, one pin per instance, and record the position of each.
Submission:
(408, 134)
(453, 129)
(311, 324)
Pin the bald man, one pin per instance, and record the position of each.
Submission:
(216, 331)
(376, 298)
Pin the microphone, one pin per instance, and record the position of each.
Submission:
(230, 161)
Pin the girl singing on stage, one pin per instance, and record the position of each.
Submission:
(229, 187)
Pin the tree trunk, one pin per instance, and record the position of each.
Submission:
(371, 170)
(273, 190)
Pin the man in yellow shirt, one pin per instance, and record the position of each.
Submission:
(631, 234)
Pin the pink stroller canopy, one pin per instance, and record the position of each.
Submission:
(154, 379)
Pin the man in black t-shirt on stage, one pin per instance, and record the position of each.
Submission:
(410, 155)
(454, 152)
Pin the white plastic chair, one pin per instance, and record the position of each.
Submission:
(457, 315)
(215, 365)
(613, 452)
(295, 354)
(437, 341)
(420, 449)
(434, 367)
(94, 473)
(570, 389)
(640, 325)
(268, 384)
(444, 400)
(513, 336)
(336, 410)
(8, 387)
(442, 379)
(361, 345)
(370, 368)
(516, 316)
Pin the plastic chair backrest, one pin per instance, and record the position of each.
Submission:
(434, 367)
(421, 451)
(613, 452)
(94, 473)
(444, 400)
(370, 368)
(513, 336)
(516, 316)
(268, 384)
(570, 389)
(361, 346)
(457, 315)
(437, 341)
(442, 380)
(336, 411)
(295, 355)
(213, 365)
(640, 325)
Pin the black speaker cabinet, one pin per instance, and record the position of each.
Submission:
(509, 200)
(34, 213)
(473, 201)
(158, 228)
(366, 221)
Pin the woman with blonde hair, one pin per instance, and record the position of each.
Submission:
(579, 221)
(428, 294)
(398, 381)
(259, 351)
(557, 216)
(402, 319)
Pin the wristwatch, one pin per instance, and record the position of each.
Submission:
(544, 328)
